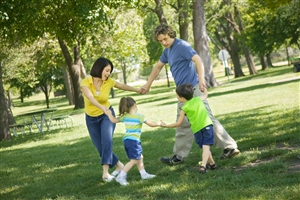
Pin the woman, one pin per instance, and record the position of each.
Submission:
(96, 89)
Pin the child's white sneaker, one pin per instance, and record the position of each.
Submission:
(122, 180)
(148, 176)
(115, 173)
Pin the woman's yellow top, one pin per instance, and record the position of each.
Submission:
(101, 97)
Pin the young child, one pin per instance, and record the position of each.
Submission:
(201, 124)
(133, 123)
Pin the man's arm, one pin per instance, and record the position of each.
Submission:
(154, 73)
(200, 71)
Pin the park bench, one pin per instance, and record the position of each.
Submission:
(296, 62)
(21, 127)
(59, 93)
(16, 127)
(61, 120)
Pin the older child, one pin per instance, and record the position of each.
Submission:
(201, 124)
(133, 123)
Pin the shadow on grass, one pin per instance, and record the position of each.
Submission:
(259, 128)
(255, 87)
(274, 71)
(62, 168)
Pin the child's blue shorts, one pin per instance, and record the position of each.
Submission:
(205, 136)
(133, 149)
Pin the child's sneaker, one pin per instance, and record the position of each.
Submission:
(115, 173)
(122, 180)
(148, 176)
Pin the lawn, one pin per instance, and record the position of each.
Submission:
(262, 113)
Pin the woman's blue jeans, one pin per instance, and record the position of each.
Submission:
(101, 131)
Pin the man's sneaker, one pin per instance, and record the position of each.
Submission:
(122, 180)
(229, 153)
(171, 161)
(148, 176)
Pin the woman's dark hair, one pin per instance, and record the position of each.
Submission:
(186, 91)
(165, 30)
(99, 65)
(125, 104)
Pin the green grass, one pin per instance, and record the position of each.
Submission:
(260, 112)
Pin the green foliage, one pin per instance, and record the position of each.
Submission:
(48, 64)
(269, 28)
(123, 43)
(27, 20)
(154, 48)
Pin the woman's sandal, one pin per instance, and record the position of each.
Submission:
(212, 167)
(202, 170)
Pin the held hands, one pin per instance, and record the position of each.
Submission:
(144, 89)
(163, 124)
(106, 110)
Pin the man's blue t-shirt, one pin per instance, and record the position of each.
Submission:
(179, 56)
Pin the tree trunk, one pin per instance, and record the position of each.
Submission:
(21, 95)
(168, 81)
(201, 41)
(4, 111)
(74, 70)
(234, 54)
(10, 101)
(162, 19)
(287, 55)
(183, 22)
(159, 12)
(46, 90)
(269, 60)
(68, 85)
(231, 45)
(249, 60)
(240, 29)
(263, 62)
(124, 72)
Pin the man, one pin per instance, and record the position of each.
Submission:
(187, 68)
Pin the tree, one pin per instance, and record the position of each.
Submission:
(153, 50)
(25, 21)
(47, 64)
(74, 22)
(4, 111)
(201, 41)
(6, 116)
(270, 27)
(227, 25)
